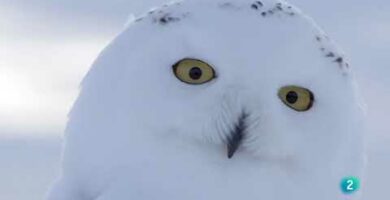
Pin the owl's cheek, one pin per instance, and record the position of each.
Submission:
(274, 144)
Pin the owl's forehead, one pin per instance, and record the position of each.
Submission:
(178, 10)
(261, 21)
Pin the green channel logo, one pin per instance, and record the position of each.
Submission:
(350, 185)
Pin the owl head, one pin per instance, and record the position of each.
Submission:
(217, 86)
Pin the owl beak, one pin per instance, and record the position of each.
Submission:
(233, 145)
(236, 136)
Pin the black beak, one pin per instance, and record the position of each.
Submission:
(237, 135)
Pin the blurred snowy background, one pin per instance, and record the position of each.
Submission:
(46, 47)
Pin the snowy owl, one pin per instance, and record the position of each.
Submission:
(215, 99)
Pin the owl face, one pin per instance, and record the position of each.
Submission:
(219, 88)
(258, 79)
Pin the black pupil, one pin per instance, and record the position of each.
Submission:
(292, 97)
(195, 73)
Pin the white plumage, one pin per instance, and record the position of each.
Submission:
(138, 132)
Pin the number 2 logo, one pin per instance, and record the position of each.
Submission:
(350, 185)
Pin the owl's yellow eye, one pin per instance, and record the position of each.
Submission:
(297, 98)
(193, 71)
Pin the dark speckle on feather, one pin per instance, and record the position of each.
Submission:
(257, 5)
(167, 18)
(163, 20)
(340, 60)
(254, 6)
(330, 55)
(279, 6)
